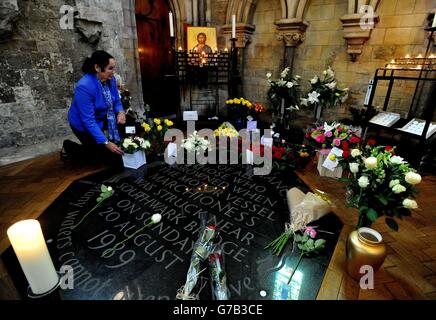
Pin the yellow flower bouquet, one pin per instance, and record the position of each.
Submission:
(154, 131)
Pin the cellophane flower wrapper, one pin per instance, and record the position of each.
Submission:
(202, 249)
(218, 274)
(305, 208)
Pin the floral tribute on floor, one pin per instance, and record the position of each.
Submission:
(183, 232)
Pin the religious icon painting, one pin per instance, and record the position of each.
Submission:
(202, 39)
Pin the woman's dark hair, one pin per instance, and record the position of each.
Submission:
(100, 58)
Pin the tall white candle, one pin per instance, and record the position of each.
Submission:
(29, 245)
(170, 16)
(233, 26)
(434, 21)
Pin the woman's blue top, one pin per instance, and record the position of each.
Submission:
(88, 109)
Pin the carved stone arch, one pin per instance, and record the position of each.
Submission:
(358, 24)
(292, 26)
(244, 11)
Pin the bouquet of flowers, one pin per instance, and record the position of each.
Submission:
(195, 143)
(226, 130)
(332, 135)
(287, 89)
(202, 249)
(239, 107)
(155, 131)
(290, 156)
(218, 274)
(304, 208)
(131, 145)
(380, 183)
(325, 92)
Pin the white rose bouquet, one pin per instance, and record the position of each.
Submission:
(195, 143)
(131, 145)
(287, 88)
(380, 184)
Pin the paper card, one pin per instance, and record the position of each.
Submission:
(266, 141)
(130, 130)
(172, 149)
(249, 154)
(332, 164)
(251, 125)
(190, 115)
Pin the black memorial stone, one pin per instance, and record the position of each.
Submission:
(249, 212)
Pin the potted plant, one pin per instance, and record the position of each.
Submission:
(134, 155)
(328, 136)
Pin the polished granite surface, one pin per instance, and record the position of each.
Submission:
(249, 212)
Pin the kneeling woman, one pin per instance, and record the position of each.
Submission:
(96, 108)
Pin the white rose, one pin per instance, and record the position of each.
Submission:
(109, 188)
(398, 189)
(397, 160)
(303, 101)
(371, 163)
(269, 75)
(156, 218)
(393, 183)
(289, 85)
(354, 167)
(127, 142)
(355, 153)
(297, 77)
(413, 178)
(410, 204)
(363, 181)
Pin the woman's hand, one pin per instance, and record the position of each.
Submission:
(121, 118)
(114, 148)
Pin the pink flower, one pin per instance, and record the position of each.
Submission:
(310, 231)
(328, 134)
(320, 138)
(337, 142)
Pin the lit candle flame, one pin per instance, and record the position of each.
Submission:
(419, 56)
(407, 56)
(432, 56)
(392, 61)
(180, 49)
(226, 50)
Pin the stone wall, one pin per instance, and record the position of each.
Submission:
(399, 32)
(41, 63)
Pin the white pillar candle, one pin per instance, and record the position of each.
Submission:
(170, 16)
(434, 21)
(233, 26)
(29, 245)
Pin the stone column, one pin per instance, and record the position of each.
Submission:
(244, 32)
(292, 32)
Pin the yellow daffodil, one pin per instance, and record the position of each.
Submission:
(159, 128)
(237, 101)
(157, 121)
(146, 127)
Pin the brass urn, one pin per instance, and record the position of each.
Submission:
(365, 247)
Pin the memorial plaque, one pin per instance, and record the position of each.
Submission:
(248, 212)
